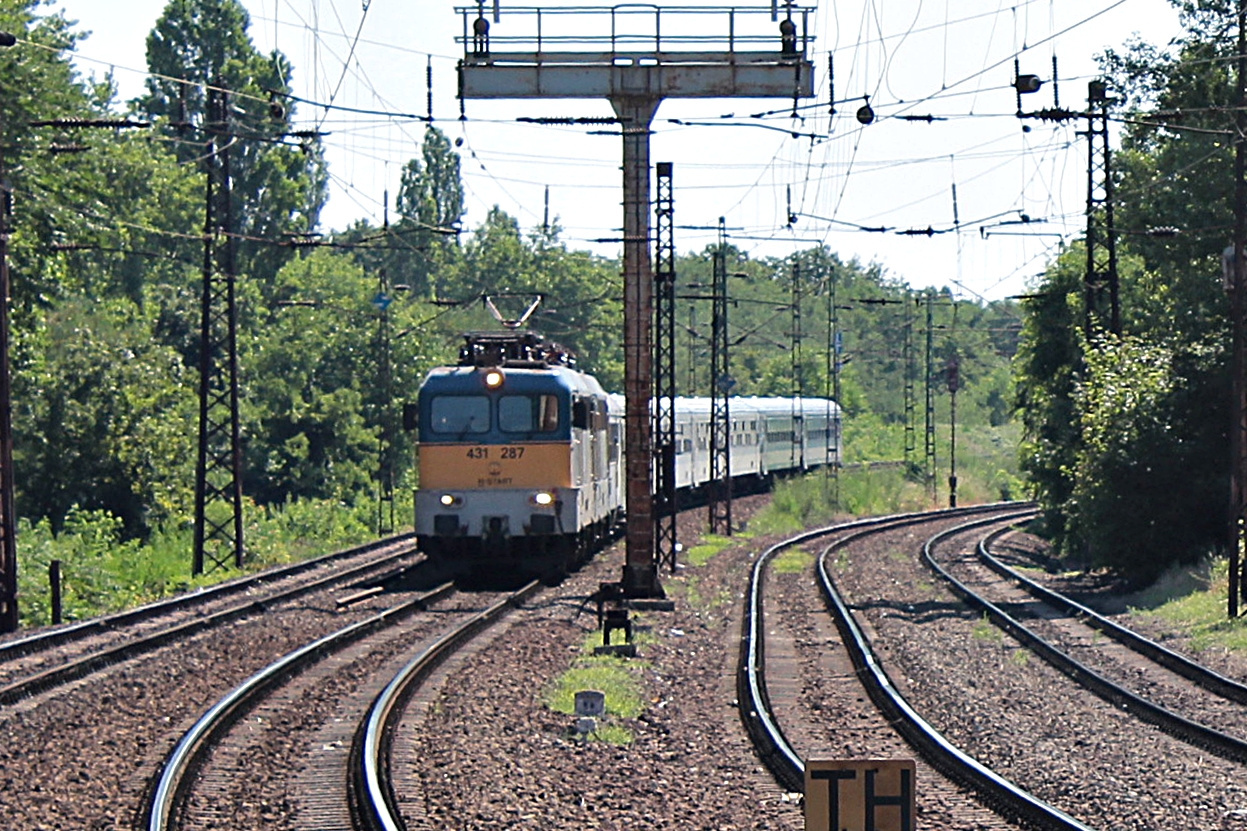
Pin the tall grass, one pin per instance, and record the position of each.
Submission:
(101, 572)
(987, 471)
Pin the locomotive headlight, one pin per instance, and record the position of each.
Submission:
(449, 500)
(543, 499)
(493, 379)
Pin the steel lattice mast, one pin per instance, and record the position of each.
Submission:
(666, 500)
(1101, 274)
(720, 485)
(218, 469)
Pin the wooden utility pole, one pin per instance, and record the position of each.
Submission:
(8, 521)
(1238, 284)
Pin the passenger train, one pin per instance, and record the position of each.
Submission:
(521, 455)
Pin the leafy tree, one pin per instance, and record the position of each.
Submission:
(430, 202)
(278, 180)
(97, 400)
(1117, 443)
(308, 371)
(1142, 496)
(421, 248)
(101, 412)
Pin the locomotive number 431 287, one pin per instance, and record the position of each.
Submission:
(504, 452)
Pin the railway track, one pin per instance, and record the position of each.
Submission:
(477, 746)
(1092, 762)
(892, 727)
(45, 660)
(250, 749)
(79, 739)
(14, 646)
(1128, 670)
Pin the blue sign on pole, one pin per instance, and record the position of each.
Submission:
(382, 301)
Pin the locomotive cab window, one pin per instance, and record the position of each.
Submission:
(528, 413)
(459, 414)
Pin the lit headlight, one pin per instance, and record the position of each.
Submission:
(493, 379)
(449, 500)
(543, 499)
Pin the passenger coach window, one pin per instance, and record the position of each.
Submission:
(460, 414)
(528, 413)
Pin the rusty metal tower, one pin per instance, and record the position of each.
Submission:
(635, 56)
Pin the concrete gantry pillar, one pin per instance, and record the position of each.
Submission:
(635, 114)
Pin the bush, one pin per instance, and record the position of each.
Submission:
(102, 572)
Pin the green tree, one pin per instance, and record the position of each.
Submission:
(97, 400)
(102, 411)
(1115, 439)
(278, 179)
(431, 191)
(1144, 493)
(421, 247)
(309, 369)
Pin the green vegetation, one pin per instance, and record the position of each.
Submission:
(1192, 599)
(792, 561)
(1126, 440)
(986, 631)
(706, 548)
(101, 571)
(987, 471)
(620, 680)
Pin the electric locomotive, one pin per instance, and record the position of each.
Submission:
(518, 457)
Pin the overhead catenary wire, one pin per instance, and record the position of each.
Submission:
(792, 163)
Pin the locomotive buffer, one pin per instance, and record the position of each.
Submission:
(620, 54)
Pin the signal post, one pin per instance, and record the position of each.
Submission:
(722, 53)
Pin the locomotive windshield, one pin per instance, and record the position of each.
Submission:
(528, 413)
(460, 414)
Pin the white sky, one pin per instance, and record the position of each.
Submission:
(950, 59)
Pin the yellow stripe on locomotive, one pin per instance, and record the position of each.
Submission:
(490, 466)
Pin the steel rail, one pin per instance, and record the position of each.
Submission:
(372, 790)
(87, 664)
(754, 703)
(1222, 744)
(13, 649)
(172, 783)
(1004, 796)
(1180, 664)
